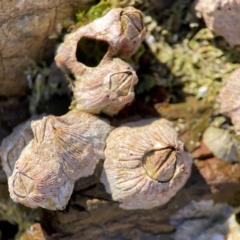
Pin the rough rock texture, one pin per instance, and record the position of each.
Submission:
(222, 17)
(24, 30)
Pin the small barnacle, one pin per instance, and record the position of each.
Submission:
(106, 88)
(230, 99)
(121, 28)
(145, 164)
(63, 149)
(221, 143)
(222, 17)
(13, 144)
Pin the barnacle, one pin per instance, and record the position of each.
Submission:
(106, 88)
(13, 145)
(145, 164)
(222, 144)
(222, 17)
(63, 149)
(230, 100)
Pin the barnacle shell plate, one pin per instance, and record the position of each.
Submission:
(63, 149)
(145, 164)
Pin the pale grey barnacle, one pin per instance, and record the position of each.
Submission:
(222, 16)
(230, 99)
(13, 144)
(145, 164)
(106, 88)
(63, 149)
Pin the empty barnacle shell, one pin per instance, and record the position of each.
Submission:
(222, 144)
(106, 88)
(13, 144)
(222, 17)
(63, 149)
(230, 99)
(145, 164)
(122, 29)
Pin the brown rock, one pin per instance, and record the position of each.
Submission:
(24, 30)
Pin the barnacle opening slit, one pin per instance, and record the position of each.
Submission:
(90, 51)
(135, 21)
(22, 185)
(160, 164)
(120, 83)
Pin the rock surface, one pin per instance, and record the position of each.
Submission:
(24, 30)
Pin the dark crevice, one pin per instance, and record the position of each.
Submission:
(90, 51)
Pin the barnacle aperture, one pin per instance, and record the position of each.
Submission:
(145, 164)
(63, 149)
(230, 99)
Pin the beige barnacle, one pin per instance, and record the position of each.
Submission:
(122, 29)
(230, 99)
(222, 17)
(63, 149)
(13, 144)
(106, 88)
(145, 164)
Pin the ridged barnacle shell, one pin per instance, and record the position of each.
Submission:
(13, 144)
(221, 143)
(63, 149)
(222, 17)
(106, 88)
(145, 164)
(121, 28)
(230, 99)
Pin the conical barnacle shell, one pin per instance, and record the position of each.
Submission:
(145, 164)
(230, 99)
(222, 17)
(221, 143)
(122, 29)
(63, 149)
(13, 144)
(106, 88)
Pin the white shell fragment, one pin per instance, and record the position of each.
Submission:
(230, 99)
(221, 143)
(145, 164)
(222, 17)
(63, 149)
(108, 88)
(13, 144)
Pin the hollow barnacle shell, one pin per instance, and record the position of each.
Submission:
(63, 149)
(230, 99)
(122, 29)
(222, 17)
(221, 143)
(13, 144)
(145, 164)
(106, 88)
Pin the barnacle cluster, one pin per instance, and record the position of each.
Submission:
(145, 162)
